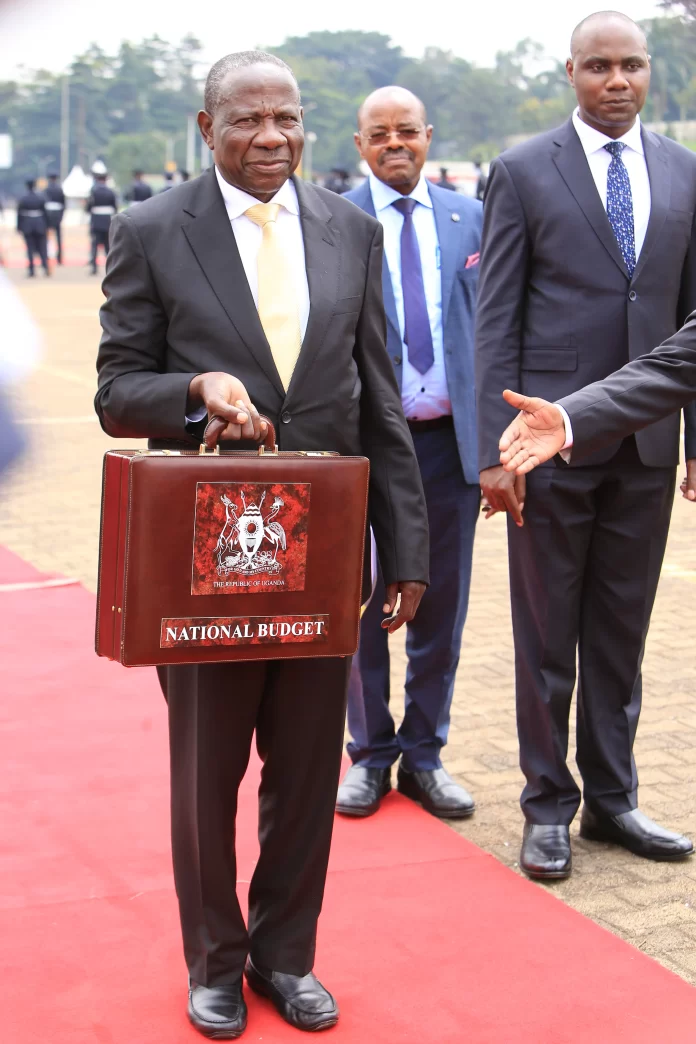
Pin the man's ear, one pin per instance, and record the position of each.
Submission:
(205, 125)
(357, 139)
(569, 71)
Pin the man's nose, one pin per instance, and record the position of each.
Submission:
(617, 80)
(269, 135)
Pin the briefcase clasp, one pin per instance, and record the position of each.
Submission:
(203, 450)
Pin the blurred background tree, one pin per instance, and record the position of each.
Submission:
(131, 108)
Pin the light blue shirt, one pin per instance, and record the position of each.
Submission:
(424, 396)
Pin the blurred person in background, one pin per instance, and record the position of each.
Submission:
(139, 190)
(338, 181)
(184, 176)
(588, 260)
(31, 222)
(168, 181)
(20, 346)
(55, 208)
(444, 182)
(431, 250)
(481, 181)
(101, 206)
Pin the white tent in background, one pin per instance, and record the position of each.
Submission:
(77, 185)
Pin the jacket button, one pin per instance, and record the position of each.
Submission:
(632, 295)
(397, 360)
(286, 418)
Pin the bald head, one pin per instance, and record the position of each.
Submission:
(599, 23)
(393, 137)
(389, 98)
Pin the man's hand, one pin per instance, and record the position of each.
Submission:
(411, 593)
(535, 436)
(688, 486)
(224, 396)
(503, 492)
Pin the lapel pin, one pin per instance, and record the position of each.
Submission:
(455, 217)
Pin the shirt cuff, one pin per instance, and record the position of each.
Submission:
(200, 413)
(568, 444)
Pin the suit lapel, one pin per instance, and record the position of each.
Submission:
(322, 260)
(660, 190)
(450, 240)
(212, 240)
(571, 161)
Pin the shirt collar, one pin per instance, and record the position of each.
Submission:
(593, 140)
(238, 202)
(384, 195)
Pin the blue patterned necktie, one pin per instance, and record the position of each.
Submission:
(620, 204)
(417, 334)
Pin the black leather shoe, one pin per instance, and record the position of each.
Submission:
(546, 854)
(300, 999)
(218, 1012)
(637, 833)
(437, 792)
(362, 790)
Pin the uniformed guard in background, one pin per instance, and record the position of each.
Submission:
(55, 208)
(31, 222)
(101, 206)
(139, 189)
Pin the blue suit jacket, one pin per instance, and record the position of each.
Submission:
(459, 241)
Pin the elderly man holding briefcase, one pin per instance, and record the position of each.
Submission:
(240, 295)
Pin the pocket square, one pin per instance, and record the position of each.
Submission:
(472, 259)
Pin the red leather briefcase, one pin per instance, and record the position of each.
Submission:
(208, 557)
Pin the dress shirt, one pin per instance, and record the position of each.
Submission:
(633, 156)
(248, 237)
(425, 396)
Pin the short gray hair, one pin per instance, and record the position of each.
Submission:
(212, 96)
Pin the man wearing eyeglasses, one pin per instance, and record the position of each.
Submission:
(431, 244)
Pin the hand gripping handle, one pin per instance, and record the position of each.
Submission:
(216, 425)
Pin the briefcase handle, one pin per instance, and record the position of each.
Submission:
(215, 427)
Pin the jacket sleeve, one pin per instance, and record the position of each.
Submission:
(136, 398)
(687, 304)
(642, 392)
(500, 309)
(397, 503)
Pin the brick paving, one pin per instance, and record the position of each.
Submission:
(49, 513)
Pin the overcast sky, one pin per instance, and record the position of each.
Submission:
(49, 33)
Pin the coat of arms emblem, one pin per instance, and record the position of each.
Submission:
(240, 544)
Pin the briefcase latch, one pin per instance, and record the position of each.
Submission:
(203, 450)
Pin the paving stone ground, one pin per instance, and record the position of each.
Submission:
(49, 513)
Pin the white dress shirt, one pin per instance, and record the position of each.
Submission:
(248, 236)
(633, 156)
(424, 396)
(598, 159)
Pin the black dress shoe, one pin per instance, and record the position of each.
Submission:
(362, 790)
(300, 999)
(546, 854)
(637, 833)
(437, 792)
(218, 1012)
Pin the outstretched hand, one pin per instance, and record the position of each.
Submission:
(536, 435)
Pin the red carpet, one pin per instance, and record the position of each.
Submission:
(424, 939)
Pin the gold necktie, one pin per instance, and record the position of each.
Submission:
(277, 297)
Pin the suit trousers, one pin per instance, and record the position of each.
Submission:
(297, 709)
(433, 638)
(99, 239)
(56, 229)
(36, 244)
(584, 571)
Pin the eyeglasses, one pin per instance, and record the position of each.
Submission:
(382, 137)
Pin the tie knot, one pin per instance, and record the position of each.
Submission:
(262, 213)
(406, 206)
(615, 148)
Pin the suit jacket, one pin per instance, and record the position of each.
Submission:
(460, 241)
(178, 303)
(556, 307)
(639, 394)
(31, 213)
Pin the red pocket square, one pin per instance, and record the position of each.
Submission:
(472, 259)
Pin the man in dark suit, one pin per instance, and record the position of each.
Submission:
(55, 209)
(193, 328)
(101, 206)
(432, 239)
(587, 261)
(31, 222)
(139, 189)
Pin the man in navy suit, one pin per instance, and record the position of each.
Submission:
(431, 246)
